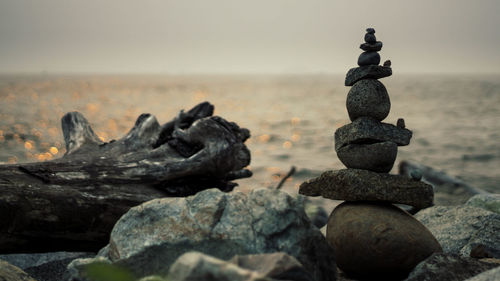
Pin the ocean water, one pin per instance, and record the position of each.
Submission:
(455, 119)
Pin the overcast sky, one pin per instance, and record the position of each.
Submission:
(254, 36)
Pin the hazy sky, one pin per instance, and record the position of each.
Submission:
(256, 36)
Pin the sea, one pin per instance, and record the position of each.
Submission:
(455, 119)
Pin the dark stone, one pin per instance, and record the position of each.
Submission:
(369, 130)
(368, 97)
(278, 266)
(366, 72)
(448, 267)
(370, 30)
(377, 46)
(376, 157)
(400, 123)
(370, 38)
(464, 230)
(387, 63)
(369, 58)
(377, 240)
(363, 185)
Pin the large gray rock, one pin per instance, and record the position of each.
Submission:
(366, 72)
(448, 267)
(376, 157)
(370, 130)
(368, 97)
(9, 272)
(363, 185)
(464, 230)
(490, 202)
(151, 236)
(378, 241)
(195, 266)
(490, 275)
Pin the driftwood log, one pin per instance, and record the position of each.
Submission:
(72, 203)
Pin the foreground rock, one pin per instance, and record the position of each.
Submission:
(448, 267)
(490, 275)
(376, 239)
(490, 202)
(9, 272)
(464, 230)
(362, 185)
(150, 237)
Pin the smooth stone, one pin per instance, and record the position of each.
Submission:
(363, 185)
(368, 97)
(377, 240)
(370, 30)
(490, 202)
(195, 266)
(369, 130)
(151, 236)
(377, 157)
(9, 272)
(278, 266)
(375, 47)
(366, 72)
(448, 267)
(370, 38)
(489, 275)
(369, 58)
(464, 230)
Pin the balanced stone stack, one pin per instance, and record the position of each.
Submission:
(373, 238)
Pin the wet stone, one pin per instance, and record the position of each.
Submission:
(377, 240)
(366, 72)
(363, 185)
(368, 97)
(369, 58)
(376, 157)
(369, 130)
(377, 46)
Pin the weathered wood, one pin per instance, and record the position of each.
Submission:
(72, 203)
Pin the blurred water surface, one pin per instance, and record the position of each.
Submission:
(455, 119)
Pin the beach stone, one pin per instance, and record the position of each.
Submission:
(9, 272)
(151, 236)
(490, 202)
(378, 240)
(370, 130)
(448, 267)
(368, 97)
(195, 266)
(366, 72)
(464, 230)
(278, 266)
(489, 275)
(376, 157)
(77, 269)
(387, 63)
(363, 185)
(369, 58)
(370, 30)
(370, 38)
(375, 47)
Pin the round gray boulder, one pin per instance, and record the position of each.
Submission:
(377, 157)
(368, 97)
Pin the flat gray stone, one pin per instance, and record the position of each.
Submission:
(366, 72)
(369, 130)
(368, 97)
(490, 202)
(464, 230)
(448, 267)
(377, 157)
(363, 185)
(151, 236)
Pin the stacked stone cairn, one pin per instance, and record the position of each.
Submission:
(373, 238)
